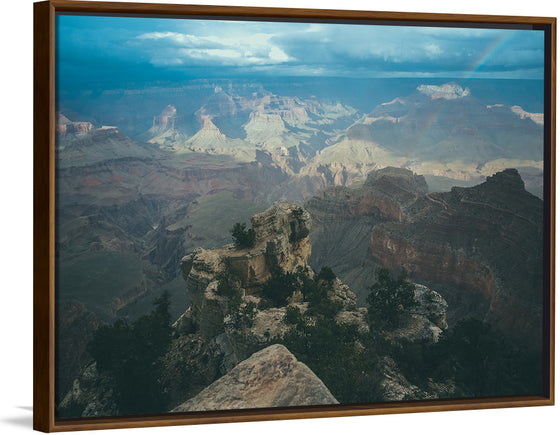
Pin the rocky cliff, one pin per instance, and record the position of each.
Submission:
(95, 145)
(480, 247)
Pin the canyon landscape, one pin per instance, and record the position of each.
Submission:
(234, 240)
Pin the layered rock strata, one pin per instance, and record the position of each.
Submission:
(481, 247)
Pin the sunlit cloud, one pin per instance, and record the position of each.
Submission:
(173, 48)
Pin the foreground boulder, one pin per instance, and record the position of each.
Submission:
(272, 377)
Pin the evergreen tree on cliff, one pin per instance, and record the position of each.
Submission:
(389, 297)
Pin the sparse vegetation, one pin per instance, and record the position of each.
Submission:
(477, 359)
(293, 316)
(326, 274)
(297, 213)
(389, 298)
(330, 350)
(279, 287)
(243, 238)
(131, 355)
(241, 314)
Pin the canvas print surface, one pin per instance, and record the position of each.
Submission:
(258, 214)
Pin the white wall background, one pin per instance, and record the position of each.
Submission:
(16, 141)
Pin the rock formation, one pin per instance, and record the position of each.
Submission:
(448, 91)
(136, 208)
(281, 244)
(394, 386)
(225, 354)
(66, 127)
(272, 377)
(480, 247)
(441, 131)
(210, 139)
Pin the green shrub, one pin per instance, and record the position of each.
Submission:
(326, 274)
(297, 213)
(488, 364)
(298, 230)
(479, 360)
(279, 287)
(248, 314)
(243, 238)
(389, 297)
(329, 349)
(293, 316)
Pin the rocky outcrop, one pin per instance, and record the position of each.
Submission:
(281, 241)
(340, 293)
(358, 316)
(272, 377)
(425, 321)
(421, 324)
(236, 325)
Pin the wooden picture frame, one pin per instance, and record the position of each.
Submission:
(46, 217)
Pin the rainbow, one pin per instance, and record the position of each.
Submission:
(498, 44)
(505, 37)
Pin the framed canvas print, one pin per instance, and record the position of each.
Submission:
(259, 213)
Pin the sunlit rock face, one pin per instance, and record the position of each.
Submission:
(272, 377)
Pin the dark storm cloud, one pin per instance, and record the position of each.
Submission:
(105, 48)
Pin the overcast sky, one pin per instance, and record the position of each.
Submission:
(104, 49)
